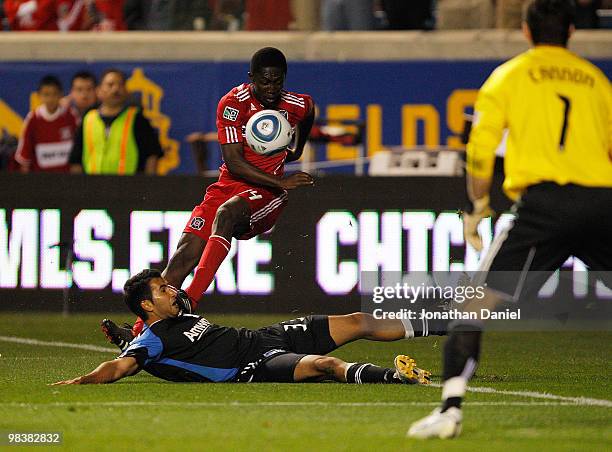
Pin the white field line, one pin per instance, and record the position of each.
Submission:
(538, 395)
(269, 404)
(27, 341)
(586, 401)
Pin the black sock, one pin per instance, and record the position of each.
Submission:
(461, 353)
(430, 327)
(369, 373)
(451, 402)
(462, 345)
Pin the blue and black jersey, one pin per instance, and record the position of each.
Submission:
(189, 348)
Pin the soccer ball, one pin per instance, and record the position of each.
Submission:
(268, 132)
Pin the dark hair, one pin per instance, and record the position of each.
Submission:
(85, 75)
(50, 80)
(268, 57)
(113, 70)
(549, 21)
(137, 289)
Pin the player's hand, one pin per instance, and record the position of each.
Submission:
(298, 179)
(471, 218)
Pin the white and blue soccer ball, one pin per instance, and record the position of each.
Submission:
(268, 132)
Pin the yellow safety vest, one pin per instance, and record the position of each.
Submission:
(112, 153)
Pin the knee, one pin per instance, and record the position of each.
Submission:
(362, 322)
(231, 213)
(224, 215)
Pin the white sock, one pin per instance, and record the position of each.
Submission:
(409, 331)
(454, 387)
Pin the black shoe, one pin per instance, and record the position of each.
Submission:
(183, 301)
(120, 336)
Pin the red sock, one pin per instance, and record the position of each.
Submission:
(138, 326)
(214, 253)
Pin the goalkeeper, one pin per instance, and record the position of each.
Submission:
(557, 108)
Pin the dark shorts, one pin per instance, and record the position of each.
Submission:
(284, 344)
(552, 223)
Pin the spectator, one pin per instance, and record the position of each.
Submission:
(115, 138)
(8, 146)
(227, 15)
(3, 20)
(48, 131)
(103, 15)
(306, 15)
(44, 15)
(82, 95)
(272, 15)
(166, 14)
(464, 14)
(411, 15)
(509, 13)
(339, 15)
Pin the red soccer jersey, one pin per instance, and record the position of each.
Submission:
(235, 109)
(44, 15)
(46, 140)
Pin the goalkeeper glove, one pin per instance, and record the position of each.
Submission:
(182, 299)
(478, 210)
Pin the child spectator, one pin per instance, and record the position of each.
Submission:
(48, 131)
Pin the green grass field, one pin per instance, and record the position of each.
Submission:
(144, 413)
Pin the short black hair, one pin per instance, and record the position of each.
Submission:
(114, 70)
(268, 57)
(137, 289)
(50, 80)
(549, 21)
(85, 75)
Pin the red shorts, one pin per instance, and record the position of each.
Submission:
(266, 205)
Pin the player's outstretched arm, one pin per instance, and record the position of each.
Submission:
(107, 372)
(303, 131)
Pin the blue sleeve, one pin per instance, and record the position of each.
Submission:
(146, 348)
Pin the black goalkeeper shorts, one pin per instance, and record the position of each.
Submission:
(553, 222)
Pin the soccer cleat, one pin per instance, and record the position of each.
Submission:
(438, 424)
(182, 299)
(409, 373)
(120, 336)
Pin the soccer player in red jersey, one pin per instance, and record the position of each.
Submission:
(252, 189)
(48, 131)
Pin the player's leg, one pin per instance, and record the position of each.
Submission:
(319, 368)
(295, 367)
(249, 213)
(529, 248)
(318, 335)
(181, 264)
(359, 325)
(593, 241)
(184, 259)
(231, 218)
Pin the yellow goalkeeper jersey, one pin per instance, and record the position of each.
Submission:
(557, 108)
